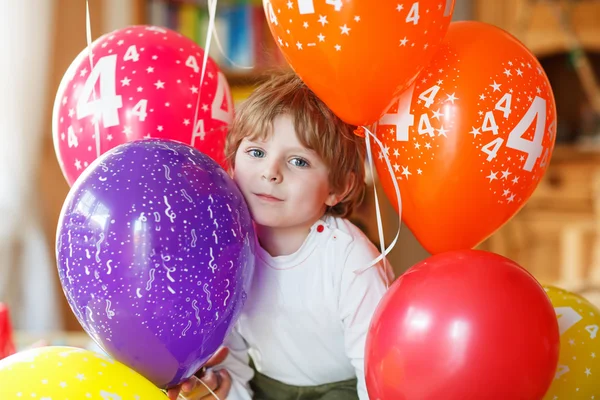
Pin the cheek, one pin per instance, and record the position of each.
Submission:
(323, 184)
(242, 170)
(239, 173)
(314, 190)
(238, 159)
(240, 177)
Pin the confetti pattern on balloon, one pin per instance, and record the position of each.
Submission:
(155, 251)
(471, 139)
(143, 82)
(579, 361)
(373, 49)
(57, 372)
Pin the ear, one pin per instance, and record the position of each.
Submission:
(335, 198)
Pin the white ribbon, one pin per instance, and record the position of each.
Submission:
(88, 32)
(212, 8)
(384, 251)
(212, 12)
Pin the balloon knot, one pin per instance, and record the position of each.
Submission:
(359, 131)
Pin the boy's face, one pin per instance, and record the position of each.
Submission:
(285, 184)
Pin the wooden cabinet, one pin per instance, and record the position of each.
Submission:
(556, 234)
(535, 22)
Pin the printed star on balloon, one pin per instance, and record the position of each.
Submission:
(432, 123)
(373, 50)
(139, 82)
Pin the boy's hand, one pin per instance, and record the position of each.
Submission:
(218, 381)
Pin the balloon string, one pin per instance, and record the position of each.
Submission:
(212, 7)
(377, 208)
(218, 41)
(385, 252)
(209, 389)
(88, 33)
(182, 397)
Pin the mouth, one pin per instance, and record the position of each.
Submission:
(267, 197)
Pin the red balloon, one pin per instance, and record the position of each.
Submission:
(144, 83)
(463, 325)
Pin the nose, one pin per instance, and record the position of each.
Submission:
(272, 173)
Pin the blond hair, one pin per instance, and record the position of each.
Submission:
(317, 128)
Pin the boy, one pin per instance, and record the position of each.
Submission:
(302, 332)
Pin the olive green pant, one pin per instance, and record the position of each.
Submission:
(266, 388)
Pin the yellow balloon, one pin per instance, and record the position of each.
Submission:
(68, 373)
(578, 372)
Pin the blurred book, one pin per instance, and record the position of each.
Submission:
(241, 29)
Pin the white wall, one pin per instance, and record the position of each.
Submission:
(26, 271)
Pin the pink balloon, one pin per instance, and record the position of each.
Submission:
(144, 83)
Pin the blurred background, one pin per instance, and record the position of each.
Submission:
(555, 236)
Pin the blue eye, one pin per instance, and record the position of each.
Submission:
(256, 153)
(299, 162)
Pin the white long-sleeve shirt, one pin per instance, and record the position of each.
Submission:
(308, 313)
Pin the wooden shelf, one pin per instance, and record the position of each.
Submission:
(576, 153)
(556, 235)
(545, 36)
(537, 26)
(553, 42)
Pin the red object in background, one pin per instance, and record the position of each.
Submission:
(463, 325)
(7, 346)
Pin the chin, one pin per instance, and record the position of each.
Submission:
(268, 221)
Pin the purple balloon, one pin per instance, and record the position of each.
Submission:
(155, 252)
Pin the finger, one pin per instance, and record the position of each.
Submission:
(218, 357)
(223, 389)
(209, 381)
(173, 393)
(219, 379)
(189, 385)
(225, 386)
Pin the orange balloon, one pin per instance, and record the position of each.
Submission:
(358, 55)
(471, 139)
